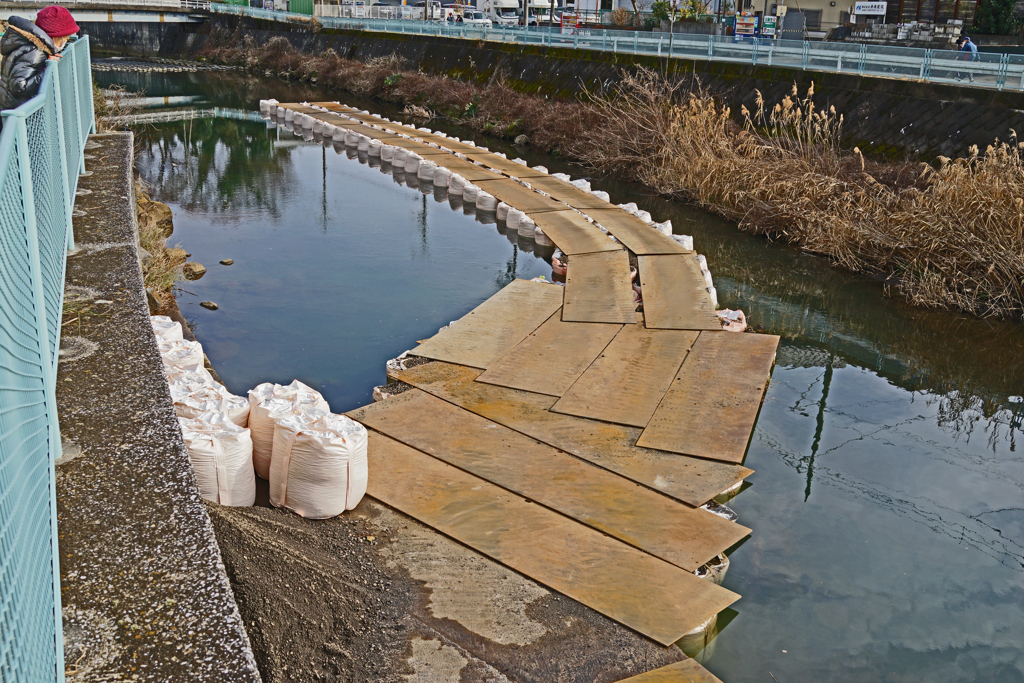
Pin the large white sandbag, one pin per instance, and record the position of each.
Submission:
(401, 154)
(181, 353)
(645, 216)
(374, 149)
(318, 126)
(441, 176)
(426, 170)
(581, 184)
(502, 211)
(512, 219)
(542, 169)
(192, 401)
(485, 201)
(561, 176)
(527, 228)
(307, 122)
(685, 241)
(289, 114)
(165, 329)
(412, 162)
(456, 184)
(339, 134)
(195, 374)
(269, 403)
(664, 228)
(387, 153)
(542, 239)
(221, 456)
(601, 194)
(319, 467)
(363, 144)
(351, 138)
(470, 193)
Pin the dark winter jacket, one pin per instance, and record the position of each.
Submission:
(25, 49)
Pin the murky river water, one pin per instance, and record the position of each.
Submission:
(888, 499)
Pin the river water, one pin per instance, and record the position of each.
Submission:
(888, 497)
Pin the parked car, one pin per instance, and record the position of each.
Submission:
(506, 17)
(475, 18)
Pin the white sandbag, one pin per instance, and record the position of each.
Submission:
(374, 149)
(318, 469)
(264, 105)
(387, 153)
(714, 296)
(351, 138)
(221, 455)
(363, 144)
(339, 134)
(456, 184)
(581, 184)
(521, 162)
(664, 228)
(497, 154)
(412, 162)
(289, 114)
(401, 154)
(540, 238)
(470, 193)
(269, 403)
(469, 142)
(601, 194)
(426, 169)
(165, 329)
(630, 207)
(307, 121)
(191, 402)
(181, 353)
(542, 169)
(645, 216)
(485, 201)
(561, 176)
(425, 130)
(190, 373)
(527, 228)
(685, 241)
(502, 211)
(512, 219)
(441, 176)
(318, 126)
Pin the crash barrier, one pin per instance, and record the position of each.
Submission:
(41, 156)
(980, 70)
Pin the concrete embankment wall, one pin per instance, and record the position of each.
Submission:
(887, 117)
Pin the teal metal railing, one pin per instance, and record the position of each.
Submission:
(42, 149)
(988, 70)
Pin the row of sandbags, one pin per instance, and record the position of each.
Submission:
(315, 460)
(428, 169)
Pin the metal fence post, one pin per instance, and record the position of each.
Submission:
(806, 55)
(711, 47)
(862, 59)
(69, 191)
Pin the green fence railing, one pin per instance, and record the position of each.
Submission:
(42, 148)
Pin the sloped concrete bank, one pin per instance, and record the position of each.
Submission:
(144, 590)
(889, 117)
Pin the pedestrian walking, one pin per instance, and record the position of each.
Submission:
(969, 52)
(26, 47)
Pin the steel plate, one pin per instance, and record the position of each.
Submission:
(675, 293)
(573, 233)
(686, 671)
(523, 198)
(506, 166)
(640, 591)
(627, 382)
(639, 238)
(571, 195)
(551, 358)
(710, 409)
(597, 289)
(466, 169)
(491, 329)
(690, 480)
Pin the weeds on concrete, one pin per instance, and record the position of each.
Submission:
(162, 269)
(945, 235)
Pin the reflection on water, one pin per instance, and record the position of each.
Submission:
(888, 499)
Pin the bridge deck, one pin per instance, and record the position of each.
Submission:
(480, 450)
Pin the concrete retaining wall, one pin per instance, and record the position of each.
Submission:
(887, 117)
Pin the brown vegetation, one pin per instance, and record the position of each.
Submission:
(948, 235)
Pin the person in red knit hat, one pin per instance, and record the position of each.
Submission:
(26, 47)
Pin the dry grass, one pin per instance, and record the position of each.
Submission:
(947, 235)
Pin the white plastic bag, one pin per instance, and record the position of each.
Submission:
(401, 154)
(470, 192)
(512, 220)
(192, 401)
(269, 403)
(485, 201)
(181, 353)
(527, 228)
(456, 184)
(165, 329)
(387, 153)
(195, 374)
(221, 456)
(318, 469)
(441, 176)
(502, 211)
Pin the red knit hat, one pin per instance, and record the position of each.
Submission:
(56, 22)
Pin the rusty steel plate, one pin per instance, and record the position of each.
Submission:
(598, 290)
(491, 329)
(640, 591)
(572, 232)
(675, 294)
(551, 357)
(466, 169)
(570, 194)
(627, 382)
(686, 671)
(710, 409)
(506, 166)
(690, 480)
(684, 536)
(520, 197)
(639, 238)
